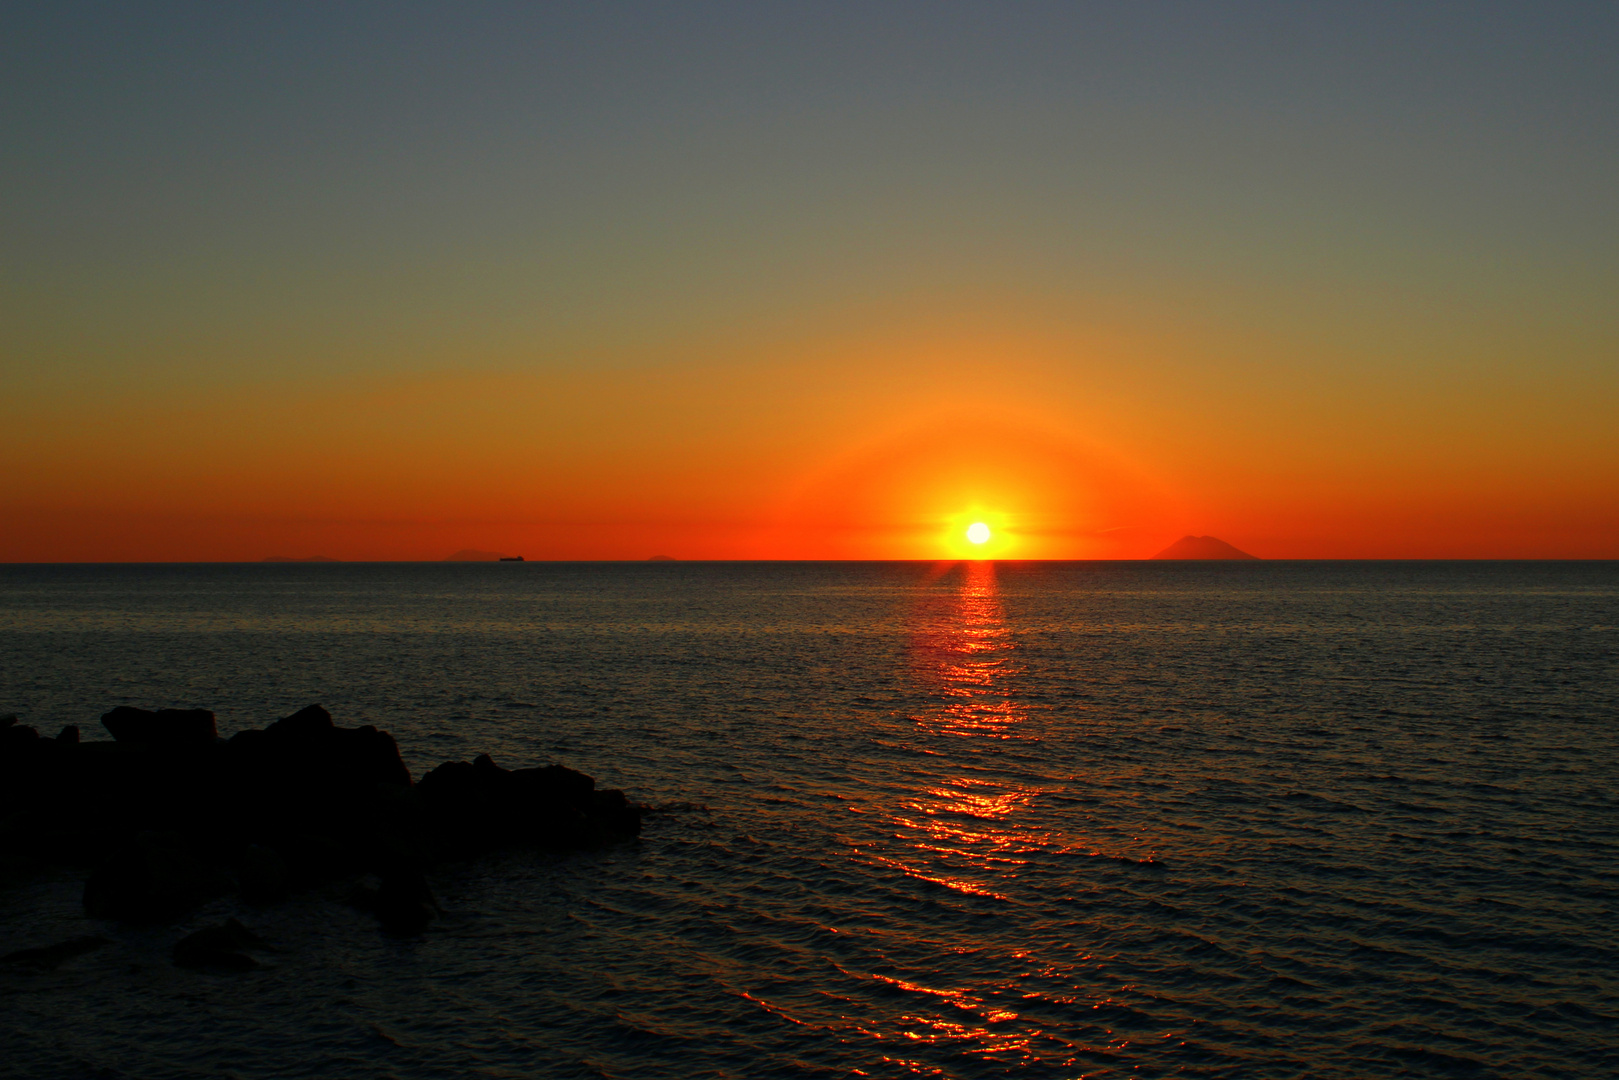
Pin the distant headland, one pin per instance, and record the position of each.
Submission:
(1202, 547)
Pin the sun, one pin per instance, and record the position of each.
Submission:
(978, 532)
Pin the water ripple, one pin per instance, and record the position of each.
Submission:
(1078, 820)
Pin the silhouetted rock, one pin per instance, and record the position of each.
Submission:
(153, 877)
(262, 874)
(551, 785)
(404, 904)
(69, 734)
(323, 798)
(15, 734)
(50, 957)
(308, 752)
(172, 728)
(457, 798)
(613, 815)
(219, 947)
(480, 805)
(169, 814)
(1202, 547)
(311, 721)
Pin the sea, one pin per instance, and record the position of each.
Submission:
(906, 819)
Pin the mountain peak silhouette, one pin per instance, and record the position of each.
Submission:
(1202, 547)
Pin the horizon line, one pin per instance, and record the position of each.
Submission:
(639, 561)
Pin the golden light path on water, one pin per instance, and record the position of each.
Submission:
(957, 830)
(954, 829)
(960, 819)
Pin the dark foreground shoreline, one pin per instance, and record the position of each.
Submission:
(167, 815)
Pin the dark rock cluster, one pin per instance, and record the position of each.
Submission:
(168, 813)
(50, 957)
(224, 946)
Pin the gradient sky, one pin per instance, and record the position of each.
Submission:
(808, 280)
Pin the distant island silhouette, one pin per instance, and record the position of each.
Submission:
(306, 558)
(474, 555)
(1202, 547)
(662, 558)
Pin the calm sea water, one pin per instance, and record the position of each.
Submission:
(1337, 820)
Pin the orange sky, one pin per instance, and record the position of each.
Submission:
(879, 445)
(760, 281)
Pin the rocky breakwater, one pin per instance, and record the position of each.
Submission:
(168, 814)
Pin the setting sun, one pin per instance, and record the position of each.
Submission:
(979, 533)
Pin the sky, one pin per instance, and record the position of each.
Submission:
(808, 280)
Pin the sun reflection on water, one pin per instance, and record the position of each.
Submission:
(962, 650)
(955, 822)
(957, 826)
